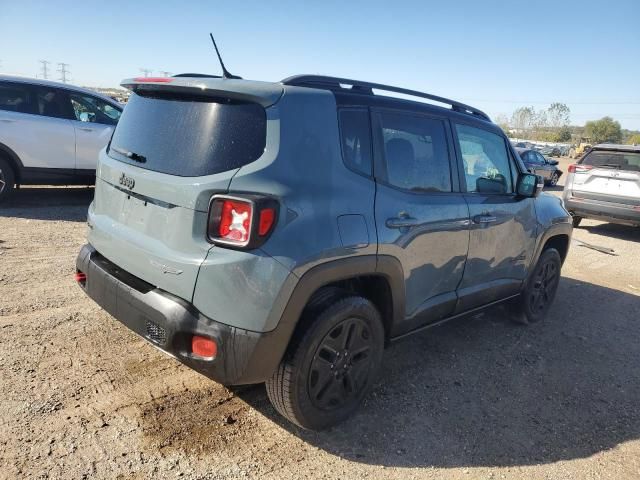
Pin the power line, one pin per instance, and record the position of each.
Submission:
(146, 71)
(45, 68)
(64, 72)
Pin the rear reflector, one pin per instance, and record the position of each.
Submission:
(80, 277)
(203, 347)
(154, 79)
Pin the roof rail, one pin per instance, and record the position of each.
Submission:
(357, 86)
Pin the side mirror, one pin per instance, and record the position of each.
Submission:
(529, 185)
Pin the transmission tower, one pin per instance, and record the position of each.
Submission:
(64, 72)
(45, 68)
(166, 74)
(146, 71)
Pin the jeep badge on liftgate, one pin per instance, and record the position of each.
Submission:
(127, 181)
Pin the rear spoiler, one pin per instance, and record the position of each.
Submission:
(262, 93)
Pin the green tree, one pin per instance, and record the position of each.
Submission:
(605, 130)
(634, 139)
(558, 115)
(563, 134)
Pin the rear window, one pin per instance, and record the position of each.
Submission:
(188, 136)
(620, 160)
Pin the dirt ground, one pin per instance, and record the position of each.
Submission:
(82, 397)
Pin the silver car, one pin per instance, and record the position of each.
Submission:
(51, 133)
(605, 185)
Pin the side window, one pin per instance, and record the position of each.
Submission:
(15, 97)
(50, 102)
(540, 158)
(355, 134)
(485, 159)
(416, 156)
(90, 109)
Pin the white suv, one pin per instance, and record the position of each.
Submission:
(51, 133)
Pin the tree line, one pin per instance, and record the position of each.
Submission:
(552, 124)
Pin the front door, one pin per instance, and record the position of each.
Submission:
(94, 121)
(421, 217)
(503, 225)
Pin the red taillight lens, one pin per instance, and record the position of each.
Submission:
(577, 168)
(235, 221)
(204, 347)
(243, 222)
(154, 79)
(80, 277)
(267, 217)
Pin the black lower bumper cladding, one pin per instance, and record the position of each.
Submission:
(169, 322)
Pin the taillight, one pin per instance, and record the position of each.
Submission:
(243, 222)
(578, 168)
(204, 347)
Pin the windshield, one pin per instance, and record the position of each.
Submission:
(621, 160)
(188, 136)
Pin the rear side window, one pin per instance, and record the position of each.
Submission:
(189, 136)
(620, 160)
(15, 97)
(355, 133)
(416, 156)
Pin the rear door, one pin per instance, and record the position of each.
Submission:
(93, 120)
(35, 125)
(608, 176)
(421, 217)
(168, 156)
(503, 225)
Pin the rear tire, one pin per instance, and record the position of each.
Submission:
(330, 365)
(7, 179)
(575, 220)
(540, 290)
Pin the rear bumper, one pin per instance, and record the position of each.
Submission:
(600, 210)
(169, 323)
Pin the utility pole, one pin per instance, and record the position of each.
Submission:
(166, 74)
(63, 71)
(45, 68)
(146, 71)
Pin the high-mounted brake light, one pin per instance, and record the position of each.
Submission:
(154, 79)
(578, 168)
(243, 222)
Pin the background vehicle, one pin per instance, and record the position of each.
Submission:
(285, 232)
(605, 185)
(580, 149)
(538, 164)
(51, 133)
(550, 151)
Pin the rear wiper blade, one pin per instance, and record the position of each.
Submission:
(132, 155)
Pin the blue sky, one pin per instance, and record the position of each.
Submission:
(495, 55)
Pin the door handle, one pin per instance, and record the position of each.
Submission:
(482, 219)
(87, 129)
(401, 222)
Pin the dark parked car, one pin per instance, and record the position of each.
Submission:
(538, 164)
(550, 151)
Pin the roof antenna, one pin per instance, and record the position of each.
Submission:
(225, 72)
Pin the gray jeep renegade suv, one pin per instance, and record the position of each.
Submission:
(285, 232)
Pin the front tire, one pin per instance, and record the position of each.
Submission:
(540, 289)
(7, 179)
(330, 365)
(553, 181)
